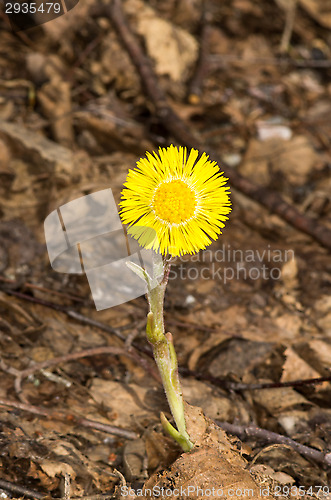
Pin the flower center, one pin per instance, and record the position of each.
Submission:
(174, 202)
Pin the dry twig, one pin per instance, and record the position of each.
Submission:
(252, 431)
(202, 66)
(22, 490)
(69, 418)
(22, 374)
(217, 381)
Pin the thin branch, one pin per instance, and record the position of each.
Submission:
(223, 383)
(22, 490)
(44, 365)
(203, 65)
(179, 130)
(275, 385)
(102, 496)
(66, 310)
(70, 418)
(226, 384)
(96, 351)
(15, 284)
(272, 437)
(219, 61)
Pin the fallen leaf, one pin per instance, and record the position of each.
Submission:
(53, 468)
(212, 468)
(173, 49)
(320, 10)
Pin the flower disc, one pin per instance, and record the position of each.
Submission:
(185, 202)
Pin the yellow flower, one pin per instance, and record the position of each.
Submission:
(182, 201)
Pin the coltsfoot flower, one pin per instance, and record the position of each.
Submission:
(184, 201)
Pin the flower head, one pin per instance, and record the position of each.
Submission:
(182, 201)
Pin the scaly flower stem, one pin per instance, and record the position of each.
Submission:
(165, 357)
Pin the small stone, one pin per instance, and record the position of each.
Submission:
(189, 300)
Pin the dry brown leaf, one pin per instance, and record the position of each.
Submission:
(50, 154)
(323, 304)
(37, 183)
(277, 401)
(161, 450)
(115, 67)
(289, 325)
(325, 324)
(296, 368)
(214, 340)
(322, 354)
(241, 357)
(133, 459)
(294, 158)
(290, 273)
(320, 10)
(127, 402)
(264, 471)
(297, 160)
(55, 99)
(173, 49)
(48, 481)
(5, 157)
(212, 468)
(64, 27)
(214, 404)
(187, 13)
(53, 468)
(111, 128)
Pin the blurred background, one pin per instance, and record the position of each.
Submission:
(252, 81)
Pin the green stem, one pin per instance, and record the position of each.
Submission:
(165, 357)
